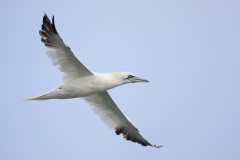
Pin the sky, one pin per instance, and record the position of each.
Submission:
(188, 50)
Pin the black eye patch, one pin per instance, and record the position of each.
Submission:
(130, 76)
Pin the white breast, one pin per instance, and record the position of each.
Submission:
(88, 85)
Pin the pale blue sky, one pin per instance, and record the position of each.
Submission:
(189, 50)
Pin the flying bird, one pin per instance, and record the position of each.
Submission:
(80, 82)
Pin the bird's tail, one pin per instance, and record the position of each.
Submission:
(37, 98)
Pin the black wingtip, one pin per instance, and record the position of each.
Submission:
(53, 26)
(44, 17)
(157, 146)
(53, 19)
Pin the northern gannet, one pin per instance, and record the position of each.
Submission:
(80, 82)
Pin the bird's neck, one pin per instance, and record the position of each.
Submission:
(110, 80)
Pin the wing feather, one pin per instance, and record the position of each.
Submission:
(103, 105)
(59, 53)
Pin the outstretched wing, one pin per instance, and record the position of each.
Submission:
(103, 105)
(59, 53)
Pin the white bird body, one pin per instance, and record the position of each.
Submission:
(80, 82)
(85, 86)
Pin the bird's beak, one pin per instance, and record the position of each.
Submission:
(137, 79)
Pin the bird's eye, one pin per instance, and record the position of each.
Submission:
(130, 76)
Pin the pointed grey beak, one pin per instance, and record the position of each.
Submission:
(136, 79)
